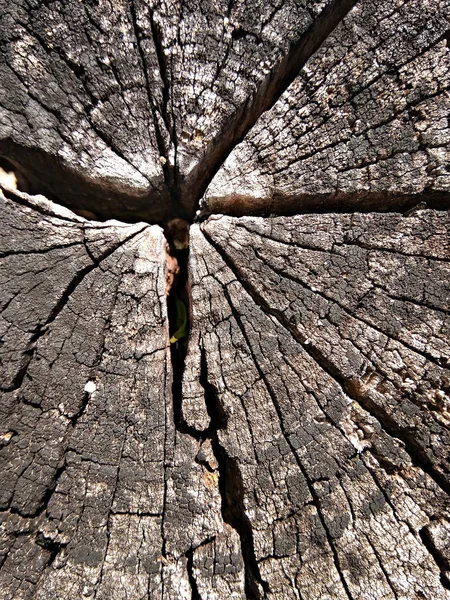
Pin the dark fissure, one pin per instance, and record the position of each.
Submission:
(178, 304)
(231, 486)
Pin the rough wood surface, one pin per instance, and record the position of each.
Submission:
(309, 456)
(296, 445)
(334, 424)
(105, 103)
(363, 126)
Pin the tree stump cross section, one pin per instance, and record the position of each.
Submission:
(282, 172)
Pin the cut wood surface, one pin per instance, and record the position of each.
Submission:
(296, 443)
(363, 126)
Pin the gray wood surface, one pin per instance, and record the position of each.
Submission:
(297, 444)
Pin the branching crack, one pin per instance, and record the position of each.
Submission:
(57, 309)
(351, 387)
(195, 595)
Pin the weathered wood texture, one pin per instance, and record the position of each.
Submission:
(96, 93)
(363, 126)
(310, 455)
(126, 109)
(85, 407)
(335, 414)
(301, 449)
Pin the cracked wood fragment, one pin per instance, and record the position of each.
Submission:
(333, 474)
(363, 126)
(100, 494)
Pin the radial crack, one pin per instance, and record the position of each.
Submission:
(351, 387)
(231, 488)
(268, 92)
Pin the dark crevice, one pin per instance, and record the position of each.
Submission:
(337, 202)
(77, 191)
(87, 249)
(232, 489)
(233, 512)
(54, 548)
(216, 412)
(195, 595)
(178, 310)
(199, 460)
(439, 559)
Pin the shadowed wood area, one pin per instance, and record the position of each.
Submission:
(224, 300)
